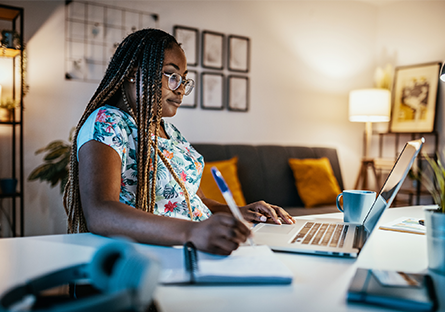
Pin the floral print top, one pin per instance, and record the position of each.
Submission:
(118, 130)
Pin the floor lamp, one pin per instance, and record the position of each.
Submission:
(368, 105)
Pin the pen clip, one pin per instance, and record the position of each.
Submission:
(191, 260)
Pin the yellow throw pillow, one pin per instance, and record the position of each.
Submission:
(315, 181)
(229, 170)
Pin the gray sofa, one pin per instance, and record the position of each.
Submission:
(265, 174)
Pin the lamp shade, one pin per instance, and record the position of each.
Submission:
(369, 105)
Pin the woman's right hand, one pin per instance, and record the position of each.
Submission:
(220, 234)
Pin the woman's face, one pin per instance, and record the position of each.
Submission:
(174, 62)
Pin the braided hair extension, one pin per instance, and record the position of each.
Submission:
(143, 50)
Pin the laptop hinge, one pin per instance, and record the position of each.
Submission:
(359, 237)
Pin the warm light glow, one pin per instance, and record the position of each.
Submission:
(369, 105)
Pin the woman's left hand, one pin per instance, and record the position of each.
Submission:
(261, 211)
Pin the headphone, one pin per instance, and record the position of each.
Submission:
(125, 278)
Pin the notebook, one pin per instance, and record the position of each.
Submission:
(332, 238)
(246, 265)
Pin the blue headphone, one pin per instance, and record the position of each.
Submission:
(125, 278)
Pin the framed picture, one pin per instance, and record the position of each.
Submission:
(188, 38)
(414, 98)
(191, 100)
(212, 91)
(212, 50)
(239, 53)
(238, 93)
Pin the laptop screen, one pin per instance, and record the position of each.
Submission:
(393, 183)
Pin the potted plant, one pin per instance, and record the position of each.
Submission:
(435, 217)
(6, 108)
(55, 167)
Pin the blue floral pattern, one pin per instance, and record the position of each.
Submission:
(118, 130)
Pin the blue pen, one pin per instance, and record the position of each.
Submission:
(229, 198)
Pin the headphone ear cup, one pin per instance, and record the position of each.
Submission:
(139, 273)
(103, 265)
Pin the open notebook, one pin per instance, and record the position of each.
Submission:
(246, 265)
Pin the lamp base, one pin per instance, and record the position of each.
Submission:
(362, 179)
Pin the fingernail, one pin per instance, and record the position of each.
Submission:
(279, 222)
(263, 219)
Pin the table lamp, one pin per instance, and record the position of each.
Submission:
(369, 105)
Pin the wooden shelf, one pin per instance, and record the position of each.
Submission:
(14, 165)
(8, 52)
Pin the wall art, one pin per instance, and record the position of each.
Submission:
(212, 50)
(212, 91)
(414, 98)
(188, 38)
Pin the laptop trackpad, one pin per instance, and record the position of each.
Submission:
(276, 229)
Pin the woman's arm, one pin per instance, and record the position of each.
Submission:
(259, 211)
(100, 182)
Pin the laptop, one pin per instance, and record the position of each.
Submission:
(341, 239)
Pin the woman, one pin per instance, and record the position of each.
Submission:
(125, 156)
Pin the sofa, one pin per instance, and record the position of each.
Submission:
(265, 174)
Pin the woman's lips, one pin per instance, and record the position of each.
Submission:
(175, 102)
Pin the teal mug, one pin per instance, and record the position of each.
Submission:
(356, 204)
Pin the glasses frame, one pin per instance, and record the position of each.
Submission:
(181, 81)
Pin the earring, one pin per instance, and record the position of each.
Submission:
(132, 79)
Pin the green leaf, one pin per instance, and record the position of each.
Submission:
(56, 153)
(51, 146)
(40, 172)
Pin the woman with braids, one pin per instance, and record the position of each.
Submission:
(125, 156)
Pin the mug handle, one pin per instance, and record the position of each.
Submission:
(337, 201)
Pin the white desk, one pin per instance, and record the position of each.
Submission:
(320, 283)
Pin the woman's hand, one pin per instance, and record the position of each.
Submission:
(262, 212)
(220, 234)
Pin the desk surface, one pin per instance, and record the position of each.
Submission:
(320, 283)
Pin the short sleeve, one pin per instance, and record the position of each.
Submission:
(106, 126)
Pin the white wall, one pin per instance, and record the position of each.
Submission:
(306, 56)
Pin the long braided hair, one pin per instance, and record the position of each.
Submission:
(143, 50)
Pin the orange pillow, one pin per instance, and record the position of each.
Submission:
(229, 170)
(315, 181)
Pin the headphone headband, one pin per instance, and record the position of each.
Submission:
(108, 272)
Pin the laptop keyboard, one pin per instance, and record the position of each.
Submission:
(322, 234)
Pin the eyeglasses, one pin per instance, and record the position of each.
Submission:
(175, 80)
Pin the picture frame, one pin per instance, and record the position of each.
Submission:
(212, 50)
(191, 100)
(414, 98)
(238, 93)
(239, 54)
(188, 38)
(212, 91)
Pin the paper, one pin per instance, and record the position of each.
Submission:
(405, 224)
(247, 264)
(393, 278)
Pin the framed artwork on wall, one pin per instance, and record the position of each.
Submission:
(191, 100)
(212, 91)
(238, 93)
(212, 50)
(188, 38)
(414, 98)
(239, 53)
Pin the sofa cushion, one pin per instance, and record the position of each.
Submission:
(315, 181)
(229, 171)
(264, 171)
